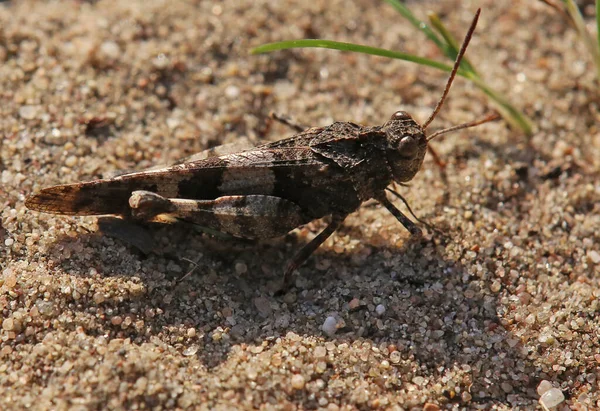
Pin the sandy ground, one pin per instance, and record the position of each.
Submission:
(497, 309)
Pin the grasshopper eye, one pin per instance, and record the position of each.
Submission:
(408, 146)
(400, 115)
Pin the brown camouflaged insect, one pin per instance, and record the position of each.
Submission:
(266, 191)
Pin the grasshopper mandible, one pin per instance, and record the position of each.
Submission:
(269, 190)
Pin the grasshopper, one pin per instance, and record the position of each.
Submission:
(269, 190)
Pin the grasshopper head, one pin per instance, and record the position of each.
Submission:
(406, 146)
(406, 140)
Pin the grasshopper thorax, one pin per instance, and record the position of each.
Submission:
(406, 146)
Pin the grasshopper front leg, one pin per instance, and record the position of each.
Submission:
(404, 220)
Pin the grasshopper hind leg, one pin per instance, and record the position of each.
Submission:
(251, 216)
(243, 216)
(404, 220)
(306, 251)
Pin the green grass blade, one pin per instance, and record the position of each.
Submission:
(590, 43)
(447, 45)
(511, 114)
(357, 48)
(450, 47)
(420, 25)
(454, 46)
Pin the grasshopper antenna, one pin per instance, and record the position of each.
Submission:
(459, 57)
(489, 117)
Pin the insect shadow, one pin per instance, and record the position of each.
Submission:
(435, 314)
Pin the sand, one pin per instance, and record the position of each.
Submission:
(498, 308)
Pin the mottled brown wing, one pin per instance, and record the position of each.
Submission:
(299, 140)
(242, 144)
(314, 183)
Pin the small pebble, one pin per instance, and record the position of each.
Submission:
(161, 62)
(543, 386)
(10, 280)
(191, 350)
(71, 161)
(99, 298)
(110, 49)
(46, 308)
(10, 324)
(252, 374)
(172, 123)
(380, 309)
(28, 112)
(594, 256)
(263, 306)
(552, 398)
(241, 268)
(329, 327)
(290, 298)
(298, 382)
(320, 352)
(232, 92)
(418, 380)
(506, 387)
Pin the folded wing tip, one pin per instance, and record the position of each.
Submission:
(53, 200)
